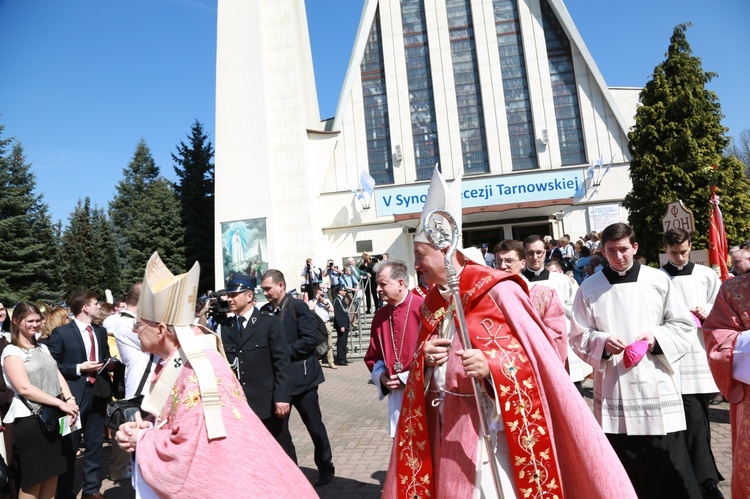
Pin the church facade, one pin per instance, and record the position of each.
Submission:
(503, 90)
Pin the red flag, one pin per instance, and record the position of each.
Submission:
(717, 239)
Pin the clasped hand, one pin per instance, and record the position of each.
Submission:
(127, 435)
(392, 382)
(616, 345)
(436, 351)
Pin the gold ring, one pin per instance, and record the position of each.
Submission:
(430, 359)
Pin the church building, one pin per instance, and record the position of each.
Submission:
(503, 90)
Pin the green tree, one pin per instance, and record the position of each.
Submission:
(105, 253)
(88, 251)
(27, 237)
(79, 253)
(676, 140)
(145, 214)
(195, 190)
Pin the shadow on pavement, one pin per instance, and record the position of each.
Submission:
(347, 488)
(719, 414)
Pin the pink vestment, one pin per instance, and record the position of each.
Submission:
(729, 317)
(588, 467)
(178, 460)
(548, 306)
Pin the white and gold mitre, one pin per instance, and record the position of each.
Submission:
(168, 298)
(444, 198)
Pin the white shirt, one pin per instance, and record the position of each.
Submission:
(109, 322)
(87, 339)
(320, 309)
(131, 355)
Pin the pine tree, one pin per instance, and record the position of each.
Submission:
(676, 140)
(81, 263)
(107, 261)
(145, 214)
(89, 253)
(195, 190)
(27, 239)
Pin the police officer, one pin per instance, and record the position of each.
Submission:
(256, 349)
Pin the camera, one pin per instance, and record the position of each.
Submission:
(217, 308)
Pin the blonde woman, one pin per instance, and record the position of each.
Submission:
(56, 317)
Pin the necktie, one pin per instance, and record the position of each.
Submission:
(240, 323)
(92, 352)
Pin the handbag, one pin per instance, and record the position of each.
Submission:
(124, 411)
(47, 416)
(6, 474)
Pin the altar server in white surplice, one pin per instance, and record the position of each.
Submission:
(633, 328)
(698, 286)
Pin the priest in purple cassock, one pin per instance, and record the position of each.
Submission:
(393, 336)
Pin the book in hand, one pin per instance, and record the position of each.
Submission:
(69, 425)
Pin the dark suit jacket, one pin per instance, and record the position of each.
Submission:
(340, 315)
(66, 346)
(263, 359)
(301, 333)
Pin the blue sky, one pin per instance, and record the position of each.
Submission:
(81, 82)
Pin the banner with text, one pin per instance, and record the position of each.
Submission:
(484, 191)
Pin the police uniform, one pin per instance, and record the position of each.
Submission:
(256, 348)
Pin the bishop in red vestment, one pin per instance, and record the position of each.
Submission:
(547, 442)
(393, 335)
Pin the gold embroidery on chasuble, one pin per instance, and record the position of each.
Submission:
(535, 468)
(174, 403)
(192, 399)
(534, 462)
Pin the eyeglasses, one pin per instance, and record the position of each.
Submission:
(140, 323)
(536, 253)
(506, 261)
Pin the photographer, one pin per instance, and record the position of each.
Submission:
(323, 308)
(311, 283)
(369, 286)
(214, 308)
(334, 277)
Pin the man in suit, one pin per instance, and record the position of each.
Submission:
(80, 350)
(305, 373)
(256, 349)
(341, 325)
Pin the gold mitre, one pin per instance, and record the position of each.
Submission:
(166, 297)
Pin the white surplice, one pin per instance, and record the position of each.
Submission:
(698, 289)
(644, 399)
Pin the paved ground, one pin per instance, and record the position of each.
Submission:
(356, 423)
